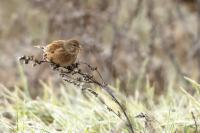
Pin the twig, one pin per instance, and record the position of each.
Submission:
(102, 101)
(94, 69)
(195, 122)
(108, 90)
(148, 122)
(70, 72)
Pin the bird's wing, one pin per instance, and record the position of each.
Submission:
(55, 45)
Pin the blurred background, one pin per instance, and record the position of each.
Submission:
(130, 41)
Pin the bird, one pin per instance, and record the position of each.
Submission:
(61, 52)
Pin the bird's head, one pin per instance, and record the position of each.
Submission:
(72, 46)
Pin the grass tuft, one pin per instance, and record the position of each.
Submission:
(69, 110)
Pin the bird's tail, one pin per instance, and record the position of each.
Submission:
(40, 47)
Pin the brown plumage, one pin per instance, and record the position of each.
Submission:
(61, 52)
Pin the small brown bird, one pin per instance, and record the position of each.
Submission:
(61, 52)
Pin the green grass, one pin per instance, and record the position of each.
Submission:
(68, 109)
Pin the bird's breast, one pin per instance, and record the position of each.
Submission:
(61, 58)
